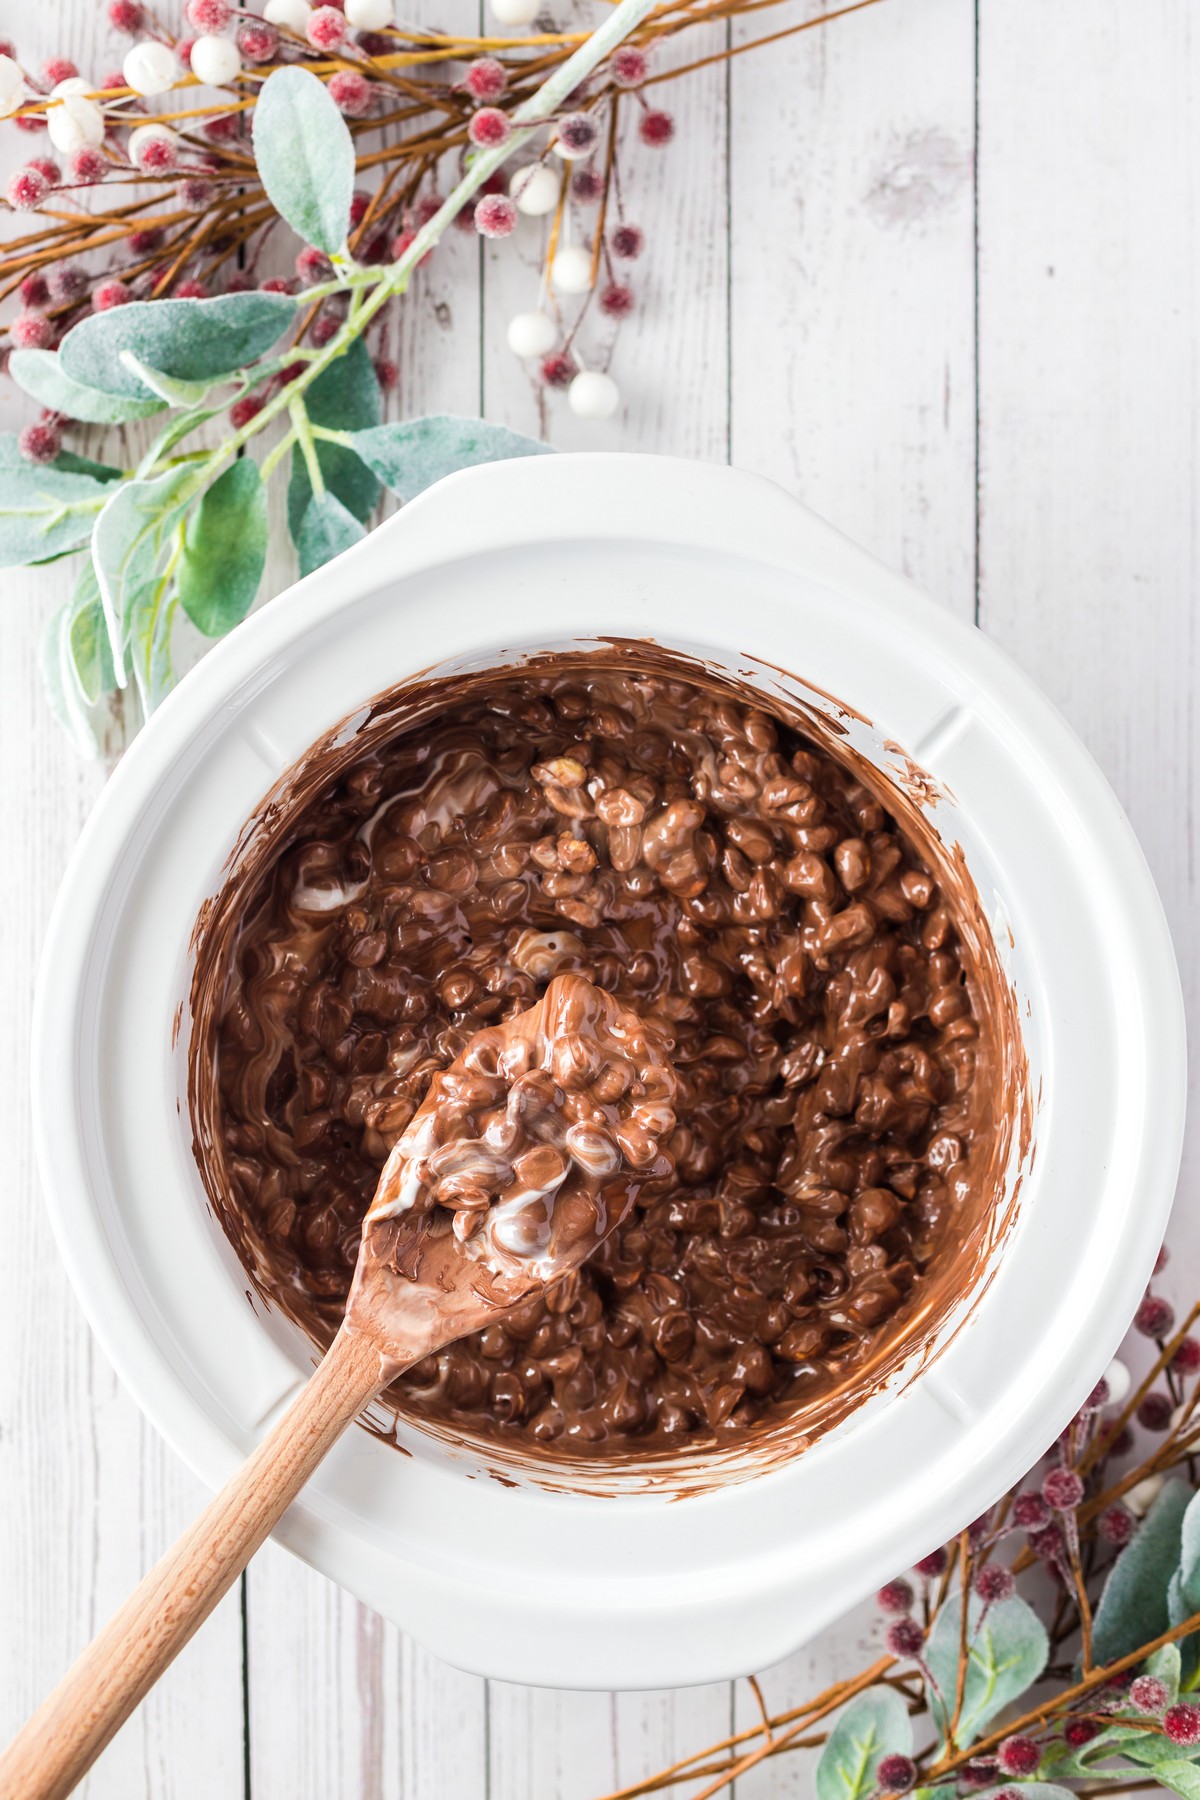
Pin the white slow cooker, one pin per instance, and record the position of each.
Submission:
(633, 1586)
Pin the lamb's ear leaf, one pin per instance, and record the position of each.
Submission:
(225, 550)
(184, 340)
(873, 1726)
(1134, 1605)
(41, 374)
(1007, 1649)
(305, 157)
(411, 454)
(326, 529)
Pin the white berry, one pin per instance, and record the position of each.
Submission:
(150, 68)
(74, 122)
(215, 61)
(593, 396)
(369, 15)
(12, 86)
(1143, 1494)
(571, 270)
(294, 14)
(1118, 1381)
(535, 190)
(532, 334)
(514, 12)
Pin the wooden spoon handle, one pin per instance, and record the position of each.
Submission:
(58, 1745)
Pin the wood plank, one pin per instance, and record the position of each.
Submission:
(560, 1746)
(852, 292)
(1089, 294)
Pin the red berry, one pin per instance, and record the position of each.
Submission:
(1078, 1732)
(1062, 1489)
(1161, 1260)
(656, 129)
(1154, 1318)
(245, 409)
(628, 66)
(276, 284)
(145, 243)
(359, 202)
(125, 15)
(616, 300)
(1030, 1512)
(1187, 1357)
(323, 329)
(904, 1637)
(351, 93)
(191, 290)
(31, 331)
(326, 28)
(87, 165)
(1122, 1444)
(114, 79)
(1048, 1543)
(427, 208)
(312, 266)
(8, 48)
(489, 127)
(193, 194)
(1019, 1756)
(1116, 1525)
(31, 121)
(1099, 1396)
(485, 79)
(578, 133)
(895, 1597)
(587, 185)
(223, 129)
(993, 1582)
(386, 373)
(68, 283)
(1149, 1694)
(257, 41)
(40, 443)
(495, 216)
(56, 69)
(1155, 1412)
(210, 17)
(931, 1565)
(375, 43)
(1182, 1723)
(559, 369)
(26, 189)
(156, 155)
(980, 1774)
(627, 242)
(35, 290)
(48, 167)
(110, 294)
(896, 1774)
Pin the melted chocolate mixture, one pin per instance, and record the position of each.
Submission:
(739, 888)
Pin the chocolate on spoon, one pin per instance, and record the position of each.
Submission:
(525, 1153)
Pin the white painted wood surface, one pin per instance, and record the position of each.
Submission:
(935, 268)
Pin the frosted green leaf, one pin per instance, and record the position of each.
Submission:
(225, 550)
(1133, 1607)
(412, 454)
(326, 529)
(41, 374)
(1005, 1655)
(305, 157)
(170, 390)
(129, 545)
(186, 340)
(873, 1726)
(45, 510)
(344, 397)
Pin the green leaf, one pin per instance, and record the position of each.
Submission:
(83, 465)
(225, 550)
(45, 510)
(412, 454)
(1006, 1654)
(1181, 1777)
(1178, 1610)
(1189, 1556)
(151, 616)
(40, 373)
(305, 157)
(344, 397)
(325, 531)
(187, 340)
(1133, 1605)
(1165, 1666)
(129, 545)
(873, 1726)
(89, 653)
(173, 392)
(59, 680)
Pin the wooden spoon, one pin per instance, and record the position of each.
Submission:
(524, 1154)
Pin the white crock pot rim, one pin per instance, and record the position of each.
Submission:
(497, 514)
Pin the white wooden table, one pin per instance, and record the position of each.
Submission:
(937, 270)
